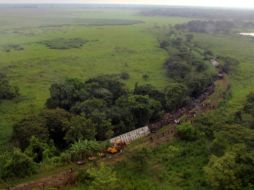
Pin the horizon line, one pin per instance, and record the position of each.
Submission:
(129, 4)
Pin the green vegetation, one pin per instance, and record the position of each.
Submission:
(189, 65)
(71, 101)
(12, 47)
(201, 13)
(211, 26)
(100, 178)
(110, 49)
(61, 43)
(211, 153)
(248, 108)
(81, 150)
(98, 109)
(16, 164)
(6, 90)
(187, 132)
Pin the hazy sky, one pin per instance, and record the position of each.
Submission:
(214, 3)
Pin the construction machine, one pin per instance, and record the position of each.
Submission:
(116, 147)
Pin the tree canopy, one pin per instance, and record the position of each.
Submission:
(7, 91)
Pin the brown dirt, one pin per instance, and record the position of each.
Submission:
(58, 181)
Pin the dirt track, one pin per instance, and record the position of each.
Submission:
(58, 181)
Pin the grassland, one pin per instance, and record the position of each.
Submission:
(116, 41)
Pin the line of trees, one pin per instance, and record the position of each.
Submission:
(190, 64)
(215, 14)
(207, 26)
(214, 26)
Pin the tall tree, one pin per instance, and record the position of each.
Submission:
(30, 126)
(80, 129)
(175, 96)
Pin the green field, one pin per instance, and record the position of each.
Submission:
(116, 41)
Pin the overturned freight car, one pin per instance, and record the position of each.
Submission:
(131, 136)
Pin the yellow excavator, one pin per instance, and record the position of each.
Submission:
(116, 147)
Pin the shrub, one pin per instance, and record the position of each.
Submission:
(84, 177)
(231, 171)
(249, 105)
(40, 151)
(18, 165)
(102, 178)
(61, 43)
(187, 132)
(124, 75)
(83, 149)
(28, 127)
(164, 44)
(13, 47)
(145, 76)
(6, 90)
(228, 63)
